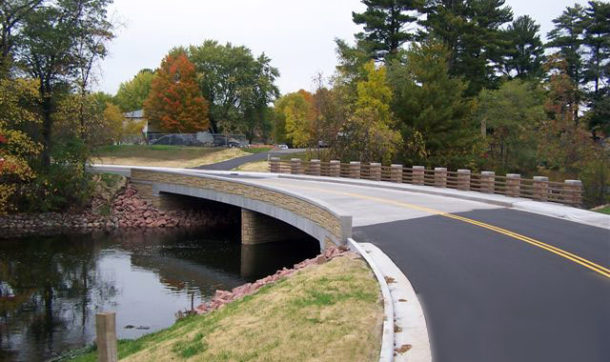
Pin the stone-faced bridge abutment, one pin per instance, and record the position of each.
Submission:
(267, 214)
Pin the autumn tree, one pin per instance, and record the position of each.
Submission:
(175, 100)
(369, 132)
(132, 94)
(17, 149)
(297, 113)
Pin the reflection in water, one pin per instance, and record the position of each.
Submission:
(51, 287)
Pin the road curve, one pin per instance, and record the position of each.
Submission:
(496, 284)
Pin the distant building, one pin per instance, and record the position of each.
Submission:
(150, 128)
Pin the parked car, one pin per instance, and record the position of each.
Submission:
(282, 146)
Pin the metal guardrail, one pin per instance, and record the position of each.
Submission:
(538, 188)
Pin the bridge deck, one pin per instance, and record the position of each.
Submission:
(496, 284)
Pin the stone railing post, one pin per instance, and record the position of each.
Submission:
(418, 175)
(463, 179)
(488, 182)
(572, 192)
(440, 177)
(354, 169)
(314, 167)
(375, 171)
(513, 185)
(334, 168)
(396, 173)
(541, 188)
(274, 164)
(295, 166)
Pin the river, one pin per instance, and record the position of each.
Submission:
(52, 287)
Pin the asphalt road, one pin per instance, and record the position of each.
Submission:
(487, 295)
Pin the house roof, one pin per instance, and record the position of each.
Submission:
(135, 114)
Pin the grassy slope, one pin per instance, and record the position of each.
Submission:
(259, 166)
(163, 156)
(604, 210)
(329, 312)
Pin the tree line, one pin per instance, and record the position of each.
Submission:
(461, 84)
(464, 84)
(49, 119)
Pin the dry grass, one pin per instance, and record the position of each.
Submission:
(329, 312)
(259, 166)
(164, 156)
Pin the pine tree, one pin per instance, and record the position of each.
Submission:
(385, 23)
(567, 38)
(175, 100)
(470, 30)
(525, 54)
(435, 116)
(597, 66)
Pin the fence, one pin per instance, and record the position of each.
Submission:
(538, 188)
(197, 139)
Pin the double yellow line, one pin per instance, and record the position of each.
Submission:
(550, 248)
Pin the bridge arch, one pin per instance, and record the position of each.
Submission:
(313, 218)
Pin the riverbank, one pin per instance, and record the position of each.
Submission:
(112, 208)
(325, 311)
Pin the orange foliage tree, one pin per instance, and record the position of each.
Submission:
(175, 100)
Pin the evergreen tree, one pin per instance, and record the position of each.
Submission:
(567, 38)
(385, 23)
(525, 54)
(470, 29)
(512, 115)
(597, 65)
(435, 116)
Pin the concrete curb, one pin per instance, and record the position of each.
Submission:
(404, 322)
(387, 339)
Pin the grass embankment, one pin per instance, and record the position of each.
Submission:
(603, 209)
(328, 312)
(258, 166)
(163, 156)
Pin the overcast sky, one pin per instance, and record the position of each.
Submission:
(298, 36)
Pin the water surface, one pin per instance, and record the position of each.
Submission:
(51, 287)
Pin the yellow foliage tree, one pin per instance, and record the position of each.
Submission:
(370, 131)
(298, 112)
(16, 147)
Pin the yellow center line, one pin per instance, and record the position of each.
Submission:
(550, 248)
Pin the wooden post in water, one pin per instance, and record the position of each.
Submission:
(105, 329)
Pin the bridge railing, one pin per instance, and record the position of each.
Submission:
(538, 188)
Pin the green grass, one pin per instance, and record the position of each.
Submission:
(128, 150)
(604, 210)
(329, 312)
